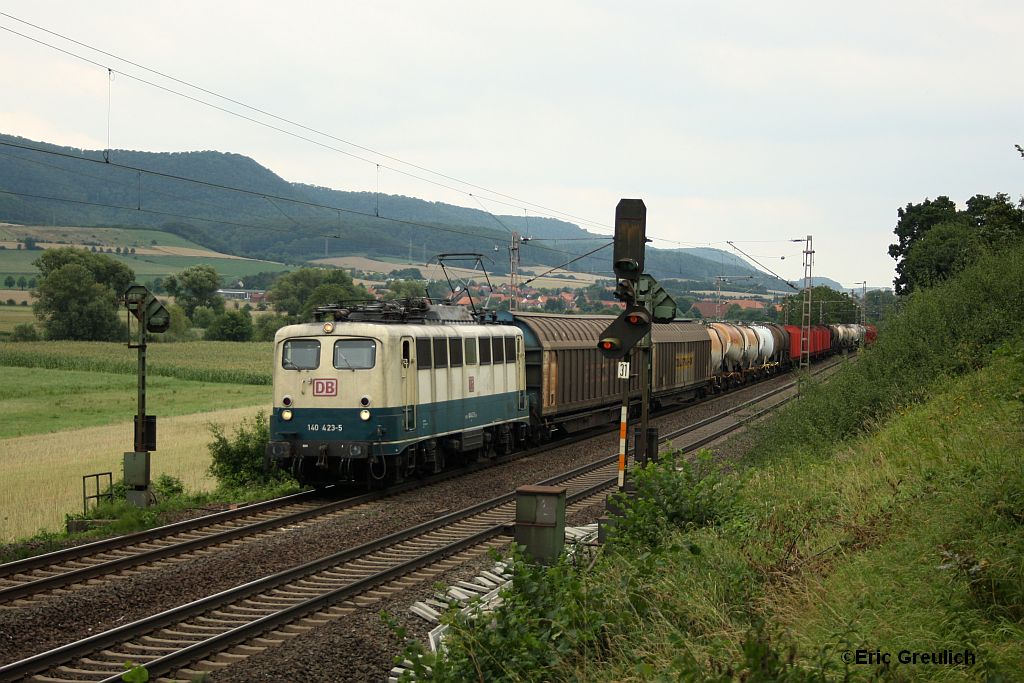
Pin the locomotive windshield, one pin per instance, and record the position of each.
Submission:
(301, 354)
(355, 354)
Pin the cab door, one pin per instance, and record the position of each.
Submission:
(410, 383)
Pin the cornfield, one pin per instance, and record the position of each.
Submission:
(227, 362)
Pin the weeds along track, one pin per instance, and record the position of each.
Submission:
(226, 627)
(26, 580)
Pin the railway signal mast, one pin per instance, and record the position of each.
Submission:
(646, 303)
(152, 317)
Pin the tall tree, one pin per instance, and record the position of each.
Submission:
(291, 292)
(77, 295)
(913, 222)
(195, 286)
(935, 240)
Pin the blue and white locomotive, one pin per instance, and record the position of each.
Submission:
(385, 390)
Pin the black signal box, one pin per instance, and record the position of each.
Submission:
(630, 236)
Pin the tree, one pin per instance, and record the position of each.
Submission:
(78, 295)
(196, 286)
(266, 326)
(202, 316)
(22, 282)
(230, 326)
(290, 292)
(9, 281)
(985, 222)
(324, 295)
(913, 222)
(405, 289)
(827, 306)
(940, 254)
(72, 305)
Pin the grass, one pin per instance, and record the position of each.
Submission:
(14, 315)
(228, 362)
(18, 262)
(114, 237)
(40, 401)
(43, 473)
(910, 537)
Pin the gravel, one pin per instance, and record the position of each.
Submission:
(362, 642)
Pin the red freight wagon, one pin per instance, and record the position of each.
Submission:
(821, 340)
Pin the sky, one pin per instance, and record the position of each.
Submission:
(750, 122)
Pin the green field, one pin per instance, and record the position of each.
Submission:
(225, 362)
(114, 237)
(40, 401)
(18, 262)
(14, 315)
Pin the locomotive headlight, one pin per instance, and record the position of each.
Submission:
(364, 414)
(286, 415)
(328, 328)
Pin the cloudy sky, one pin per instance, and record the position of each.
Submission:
(742, 121)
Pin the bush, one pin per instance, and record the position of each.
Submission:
(24, 332)
(675, 494)
(238, 462)
(202, 316)
(942, 331)
(230, 326)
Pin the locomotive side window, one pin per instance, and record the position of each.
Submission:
(510, 349)
(301, 354)
(441, 352)
(423, 352)
(499, 349)
(355, 354)
(455, 352)
(485, 350)
(471, 344)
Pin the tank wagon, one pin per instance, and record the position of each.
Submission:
(386, 390)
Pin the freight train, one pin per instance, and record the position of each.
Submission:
(383, 391)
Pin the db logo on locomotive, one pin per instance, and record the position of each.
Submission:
(325, 387)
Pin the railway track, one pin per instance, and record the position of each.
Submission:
(223, 628)
(26, 580)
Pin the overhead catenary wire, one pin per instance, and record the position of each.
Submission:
(766, 268)
(262, 112)
(518, 204)
(263, 195)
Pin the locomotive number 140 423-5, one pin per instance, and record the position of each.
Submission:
(324, 428)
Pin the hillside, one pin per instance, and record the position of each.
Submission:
(279, 221)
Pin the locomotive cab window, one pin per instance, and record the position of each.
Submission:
(510, 349)
(355, 354)
(300, 354)
(499, 349)
(471, 345)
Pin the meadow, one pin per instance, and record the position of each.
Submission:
(43, 473)
(41, 401)
(228, 362)
(68, 410)
(18, 262)
(14, 315)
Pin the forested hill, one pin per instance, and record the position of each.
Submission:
(278, 220)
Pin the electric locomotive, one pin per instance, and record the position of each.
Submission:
(384, 390)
